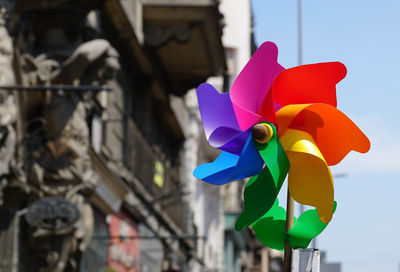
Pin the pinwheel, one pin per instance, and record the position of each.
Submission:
(276, 123)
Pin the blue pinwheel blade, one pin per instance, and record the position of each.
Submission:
(229, 167)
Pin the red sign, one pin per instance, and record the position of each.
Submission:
(124, 249)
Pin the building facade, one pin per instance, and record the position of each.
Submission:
(100, 133)
(94, 132)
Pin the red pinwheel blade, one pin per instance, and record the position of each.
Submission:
(313, 83)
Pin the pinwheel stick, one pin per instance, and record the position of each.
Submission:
(287, 258)
(262, 133)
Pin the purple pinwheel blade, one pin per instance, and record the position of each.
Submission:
(235, 146)
(229, 167)
(219, 120)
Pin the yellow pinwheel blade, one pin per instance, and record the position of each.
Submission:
(310, 179)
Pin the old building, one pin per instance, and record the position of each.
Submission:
(94, 132)
(100, 133)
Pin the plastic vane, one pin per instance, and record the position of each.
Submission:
(276, 123)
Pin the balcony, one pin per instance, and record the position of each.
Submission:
(186, 37)
(176, 40)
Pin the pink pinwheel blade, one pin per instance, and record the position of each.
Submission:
(253, 84)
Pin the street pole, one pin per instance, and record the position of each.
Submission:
(300, 31)
(287, 258)
(300, 50)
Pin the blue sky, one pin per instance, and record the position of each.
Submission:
(364, 35)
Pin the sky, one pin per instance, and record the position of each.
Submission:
(364, 234)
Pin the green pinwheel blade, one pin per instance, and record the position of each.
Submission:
(261, 191)
(270, 229)
(259, 196)
(275, 158)
(308, 226)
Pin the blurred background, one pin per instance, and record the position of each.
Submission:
(100, 132)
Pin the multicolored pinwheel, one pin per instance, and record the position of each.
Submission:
(274, 122)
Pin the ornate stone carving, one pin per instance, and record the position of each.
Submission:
(59, 165)
(52, 213)
(39, 70)
(159, 36)
(8, 108)
(60, 230)
(93, 62)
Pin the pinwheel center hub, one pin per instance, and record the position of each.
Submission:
(262, 133)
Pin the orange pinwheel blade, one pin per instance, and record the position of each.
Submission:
(310, 179)
(333, 132)
(313, 83)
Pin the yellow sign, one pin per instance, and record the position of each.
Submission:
(159, 174)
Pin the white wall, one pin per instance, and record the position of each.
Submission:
(207, 200)
(237, 31)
